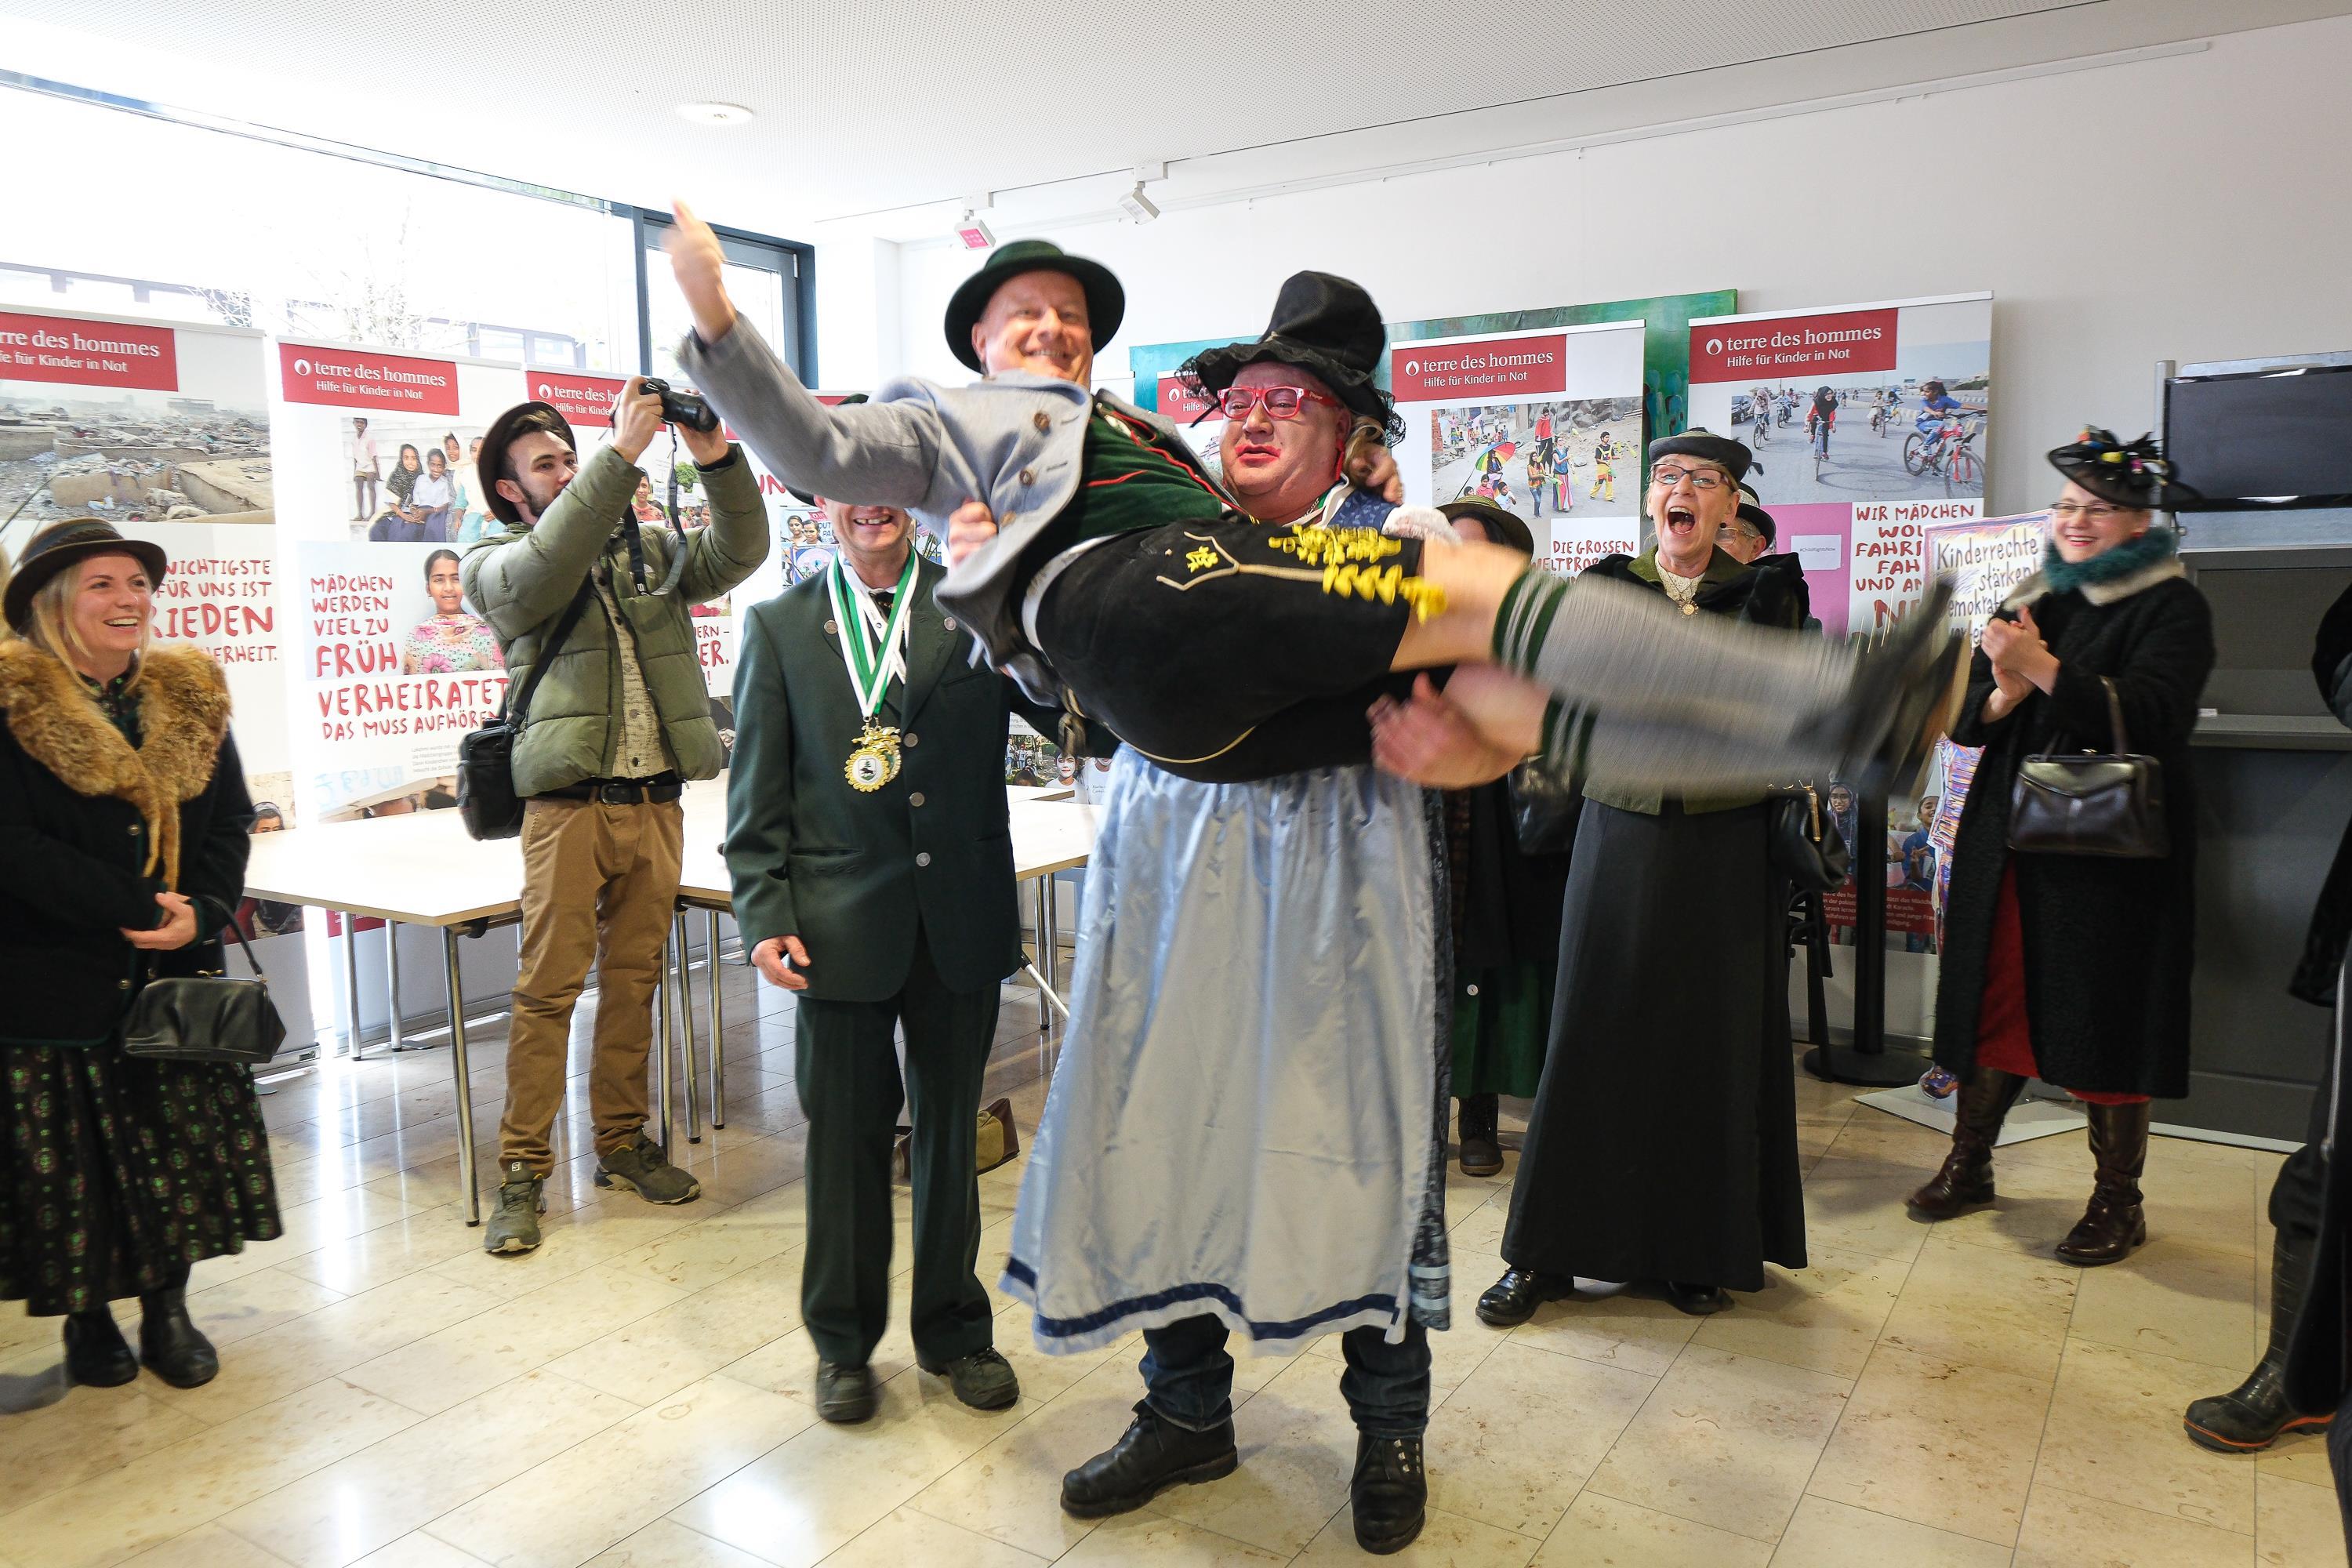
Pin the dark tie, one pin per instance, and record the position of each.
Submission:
(882, 597)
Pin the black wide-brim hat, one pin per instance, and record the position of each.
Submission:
(1106, 301)
(59, 545)
(1707, 447)
(1508, 527)
(803, 497)
(1325, 326)
(490, 467)
(2133, 474)
(1756, 516)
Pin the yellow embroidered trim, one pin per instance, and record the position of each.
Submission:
(1317, 545)
(1388, 584)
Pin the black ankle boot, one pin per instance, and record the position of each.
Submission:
(2254, 1414)
(1481, 1146)
(1153, 1455)
(95, 1354)
(1389, 1491)
(169, 1342)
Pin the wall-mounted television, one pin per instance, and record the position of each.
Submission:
(2262, 432)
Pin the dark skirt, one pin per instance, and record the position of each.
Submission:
(120, 1174)
(1663, 1142)
(1502, 1016)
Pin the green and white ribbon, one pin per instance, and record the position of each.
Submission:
(873, 649)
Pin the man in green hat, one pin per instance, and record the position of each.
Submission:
(1086, 542)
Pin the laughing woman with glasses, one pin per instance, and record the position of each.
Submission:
(2075, 968)
(1662, 1148)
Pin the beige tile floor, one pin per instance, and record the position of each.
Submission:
(637, 1392)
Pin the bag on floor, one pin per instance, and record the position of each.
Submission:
(997, 1141)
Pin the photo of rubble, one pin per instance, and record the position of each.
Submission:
(130, 457)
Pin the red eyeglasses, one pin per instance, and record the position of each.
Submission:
(1280, 401)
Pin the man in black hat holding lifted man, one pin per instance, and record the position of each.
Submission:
(1086, 544)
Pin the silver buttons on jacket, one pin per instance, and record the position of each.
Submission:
(924, 858)
(949, 622)
(912, 738)
(832, 628)
(916, 798)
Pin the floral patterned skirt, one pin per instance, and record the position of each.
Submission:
(117, 1174)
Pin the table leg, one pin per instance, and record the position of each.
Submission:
(661, 1049)
(467, 1176)
(718, 1025)
(1039, 949)
(392, 981)
(686, 1024)
(352, 980)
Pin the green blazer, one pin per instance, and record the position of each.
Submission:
(850, 873)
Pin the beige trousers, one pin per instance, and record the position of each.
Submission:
(599, 884)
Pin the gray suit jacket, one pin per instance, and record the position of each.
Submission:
(1015, 442)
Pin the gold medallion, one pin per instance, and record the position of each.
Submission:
(875, 761)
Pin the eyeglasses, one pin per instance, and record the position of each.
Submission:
(2093, 512)
(1280, 401)
(1700, 479)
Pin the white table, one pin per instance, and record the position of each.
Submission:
(423, 870)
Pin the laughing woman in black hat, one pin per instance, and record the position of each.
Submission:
(123, 818)
(1661, 1147)
(2075, 968)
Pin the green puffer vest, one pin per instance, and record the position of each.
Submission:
(522, 580)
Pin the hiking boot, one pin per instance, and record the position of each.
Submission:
(514, 1224)
(1153, 1455)
(844, 1394)
(643, 1167)
(1390, 1492)
(983, 1380)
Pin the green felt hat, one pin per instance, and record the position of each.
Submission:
(1106, 301)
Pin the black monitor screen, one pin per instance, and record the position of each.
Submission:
(2240, 437)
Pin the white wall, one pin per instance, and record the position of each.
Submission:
(2190, 207)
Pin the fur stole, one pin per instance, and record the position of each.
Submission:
(182, 718)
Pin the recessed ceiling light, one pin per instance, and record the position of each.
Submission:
(715, 113)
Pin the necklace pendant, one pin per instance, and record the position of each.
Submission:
(1690, 607)
(875, 761)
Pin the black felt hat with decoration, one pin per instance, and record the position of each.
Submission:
(1327, 326)
(2133, 474)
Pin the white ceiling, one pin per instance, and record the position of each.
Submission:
(864, 106)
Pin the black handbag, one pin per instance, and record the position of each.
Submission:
(2090, 803)
(487, 802)
(1805, 845)
(206, 1017)
(1545, 799)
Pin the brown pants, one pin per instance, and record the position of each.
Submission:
(599, 884)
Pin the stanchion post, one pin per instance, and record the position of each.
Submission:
(718, 1025)
(686, 1023)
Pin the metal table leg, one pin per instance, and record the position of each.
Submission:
(352, 980)
(686, 1023)
(661, 1050)
(718, 1025)
(392, 981)
(466, 1174)
(1042, 949)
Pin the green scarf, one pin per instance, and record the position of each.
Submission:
(2159, 544)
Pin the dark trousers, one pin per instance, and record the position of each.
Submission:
(1189, 1378)
(851, 1088)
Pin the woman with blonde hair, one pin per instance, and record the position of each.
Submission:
(123, 816)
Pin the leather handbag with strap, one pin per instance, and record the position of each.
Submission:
(1805, 845)
(2108, 803)
(206, 1017)
(487, 802)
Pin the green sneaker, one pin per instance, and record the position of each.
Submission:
(514, 1227)
(642, 1166)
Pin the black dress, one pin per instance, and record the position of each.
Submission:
(1663, 1142)
(116, 1174)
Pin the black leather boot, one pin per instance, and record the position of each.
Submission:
(1153, 1455)
(168, 1342)
(1513, 1300)
(1481, 1147)
(2255, 1413)
(1965, 1181)
(1389, 1491)
(96, 1353)
(2113, 1224)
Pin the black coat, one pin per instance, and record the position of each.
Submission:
(90, 830)
(2109, 943)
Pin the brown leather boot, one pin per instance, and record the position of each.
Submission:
(1965, 1181)
(2113, 1224)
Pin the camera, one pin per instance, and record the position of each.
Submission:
(686, 408)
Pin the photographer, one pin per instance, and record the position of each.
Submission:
(621, 720)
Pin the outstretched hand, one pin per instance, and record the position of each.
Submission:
(699, 261)
(970, 526)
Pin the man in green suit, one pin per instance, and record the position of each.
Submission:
(872, 861)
